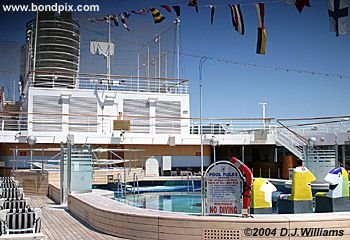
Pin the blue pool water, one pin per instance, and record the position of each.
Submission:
(187, 202)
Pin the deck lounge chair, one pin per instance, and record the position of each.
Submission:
(21, 224)
(11, 193)
(8, 185)
(7, 179)
(14, 203)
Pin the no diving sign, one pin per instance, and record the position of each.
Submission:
(223, 183)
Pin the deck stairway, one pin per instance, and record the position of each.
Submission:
(11, 116)
(319, 161)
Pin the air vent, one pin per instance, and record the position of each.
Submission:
(221, 234)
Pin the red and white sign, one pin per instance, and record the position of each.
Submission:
(223, 189)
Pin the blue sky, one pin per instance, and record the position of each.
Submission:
(294, 40)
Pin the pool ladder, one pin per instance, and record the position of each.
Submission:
(190, 180)
(135, 184)
(119, 185)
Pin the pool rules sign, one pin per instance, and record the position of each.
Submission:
(223, 183)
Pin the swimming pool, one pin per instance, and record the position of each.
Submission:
(186, 202)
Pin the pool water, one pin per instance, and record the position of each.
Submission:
(186, 202)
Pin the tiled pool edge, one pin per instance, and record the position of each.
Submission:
(109, 216)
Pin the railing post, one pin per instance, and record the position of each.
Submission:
(42, 160)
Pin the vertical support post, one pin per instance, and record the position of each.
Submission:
(62, 171)
(343, 155)
(148, 62)
(14, 161)
(201, 62)
(42, 160)
(177, 22)
(336, 150)
(35, 44)
(31, 157)
(275, 155)
(214, 154)
(124, 189)
(243, 153)
(109, 52)
(263, 113)
(69, 166)
(159, 56)
(138, 71)
(166, 64)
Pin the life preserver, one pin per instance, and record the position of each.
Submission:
(247, 187)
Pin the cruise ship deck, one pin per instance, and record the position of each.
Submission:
(59, 224)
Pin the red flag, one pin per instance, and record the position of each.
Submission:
(261, 43)
(166, 7)
(300, 4)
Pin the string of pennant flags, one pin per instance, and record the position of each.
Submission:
(337, 11)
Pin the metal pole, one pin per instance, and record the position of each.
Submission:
(138, 66)
(343, 155)
(31, 157)
(243, 155)
(148, 68)
(14, 91)
(201, 62)
(214, 154)
(263, 113)
(177, 22)
(166, 64)
(138, 71)
(109, 51)
(124, 189)
(35, 43)
(69, 166)
(62, 187)
(159, 56)
(275, 155)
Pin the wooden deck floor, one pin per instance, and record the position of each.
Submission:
(58, 223)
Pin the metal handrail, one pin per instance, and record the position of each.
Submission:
(190, 178)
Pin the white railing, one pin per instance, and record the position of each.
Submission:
(12, 122)
(291, 142)
(311, 126)
(113, 83)
(290, 137)
(232, 126)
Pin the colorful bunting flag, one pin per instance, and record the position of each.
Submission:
(166, 7)
(212, 12)
(93, 20)
(177, 10)
(142, 11)
(126, 14)
(157, 16)
(115, 20)
(237, 18)
(102, 19)
(338, 12)
(261, 44)
(193, 3)
(300, 4)
(122, 19)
